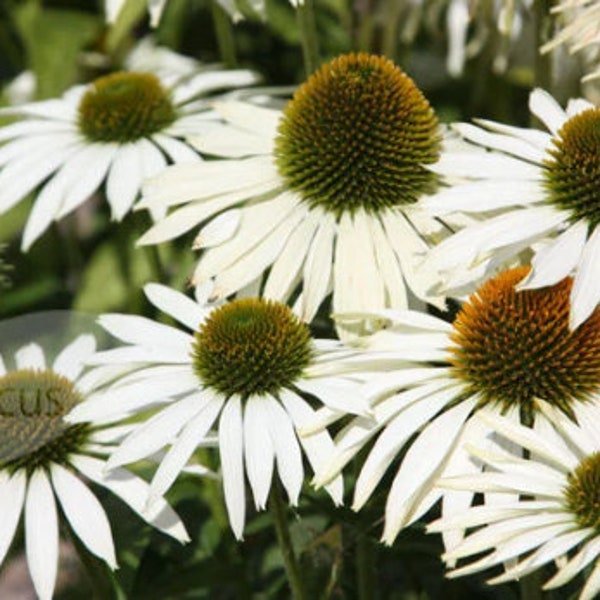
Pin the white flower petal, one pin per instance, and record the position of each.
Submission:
(124, 179)
(41, 534)
(134, 492)
(12, 496)
(257, 119)
(232, 142)
(318, 267)
(556, 260)
(357, 282)
(585, 294)
(84, 174)
(134, 329)
(70, 362)
(85, 514)
(178, 151)
(318, 446)
(421, 462)
(592, 584)
(258, 221)
(256, 260)
(30, 357)
(471, 165)
(183, 181)
(547, 110)
(231, 449)
(159, 430)
(183, 447)
(177, 305)
(259, 452)
(337, 394)
(20, 177)
(504, 143)
(218, 230)
(287, 450)
(482, 196)
(286, 268)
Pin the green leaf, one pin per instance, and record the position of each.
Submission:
(53, 40)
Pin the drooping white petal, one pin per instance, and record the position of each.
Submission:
(389, 267)
(585, 294)
(259, 453)
(159, 430)
(176, 150)
(410, 249)
(337, 394)
(317, 446)
(356, 278)
(318, 267)
(390, 442)
(12, 495)
(592, 584)
(121, 400)
(41, 534)
(20, 177)
(575, 565)
(556, 260)
(287, 450)
(527, 438)
(183, 447)
(287, 266)
(134, 492)
(231, 450)
(84, 174)
(85, 514)
(124, 179)
(255, 260)
(420, 465)
(466, 246)
(218, 230)
(257, 222)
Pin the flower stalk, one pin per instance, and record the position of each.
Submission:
(292, 568)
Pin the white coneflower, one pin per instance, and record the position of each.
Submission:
(550, 513)
(578, 24)
(114, 132)
(504, 350)
(546, 188)
(44, 459)
(325, 193)
(238, 375)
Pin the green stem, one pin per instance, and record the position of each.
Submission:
(390, 30)
(156, 267)
(102, 580)
(278, 512)
(308, 36)
(365, 566)
(530, 586)
(224, 34)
